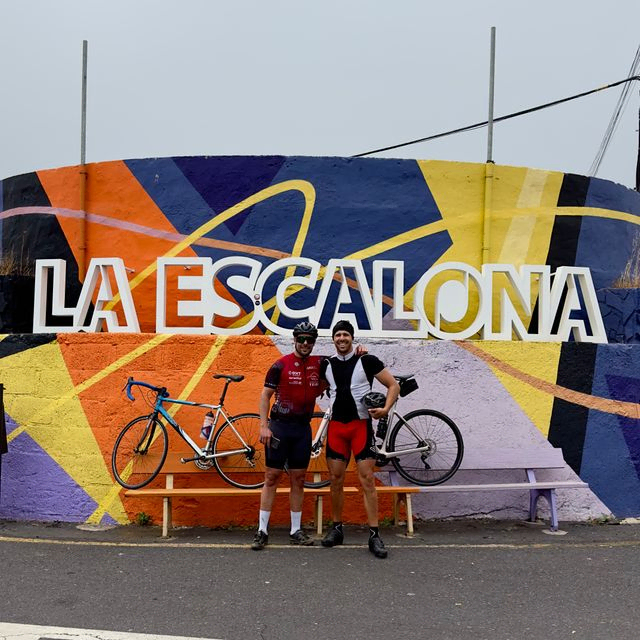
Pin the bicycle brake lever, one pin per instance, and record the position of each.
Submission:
(128, 388)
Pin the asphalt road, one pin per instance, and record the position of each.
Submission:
(470, 579)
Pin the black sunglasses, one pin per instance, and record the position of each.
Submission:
(307, 339)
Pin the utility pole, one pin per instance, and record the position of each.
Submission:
(638, 160)
(492, 75)
(82, 248)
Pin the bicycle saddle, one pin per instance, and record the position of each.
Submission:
(230, 378)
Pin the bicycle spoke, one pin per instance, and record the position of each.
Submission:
(239, 454)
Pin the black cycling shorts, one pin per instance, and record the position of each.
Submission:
(294, 449)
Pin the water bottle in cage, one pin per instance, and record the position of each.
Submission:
(207, 425)
(381, 431)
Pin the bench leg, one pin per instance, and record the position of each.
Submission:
(319, 515)
(166, 508)
(550, 495)
(407, 498)
(166, 516)
(398, 499)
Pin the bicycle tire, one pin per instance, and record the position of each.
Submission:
(317, 475)
(139, 452)
(240, 469)
(422, 427)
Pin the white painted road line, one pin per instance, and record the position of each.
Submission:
(9, 631)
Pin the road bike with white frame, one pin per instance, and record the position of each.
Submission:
(424, 446)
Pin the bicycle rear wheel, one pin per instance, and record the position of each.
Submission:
(317, 472)
(443, 442)
(240, 456)
(139, 452)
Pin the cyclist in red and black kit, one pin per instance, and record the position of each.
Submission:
(350, 376)
(285, 431)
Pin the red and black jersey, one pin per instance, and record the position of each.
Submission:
(297, 384)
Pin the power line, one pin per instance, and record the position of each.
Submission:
(615, 118)
(478, 125)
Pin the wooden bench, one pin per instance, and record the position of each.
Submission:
(173, 466)
(524, 461)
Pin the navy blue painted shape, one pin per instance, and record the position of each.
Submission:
(611, 448)
(594, 245)
(174, 195)
(626, 389)
(223, 181)
(603, 194)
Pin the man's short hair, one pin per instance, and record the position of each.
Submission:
(342, 325)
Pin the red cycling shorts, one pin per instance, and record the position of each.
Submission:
(344, 438)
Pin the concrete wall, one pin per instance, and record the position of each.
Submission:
(63, 399)
(65, 405)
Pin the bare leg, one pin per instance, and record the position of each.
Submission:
(296, 478)
(337, 470)
(365, 474)
(271, 480)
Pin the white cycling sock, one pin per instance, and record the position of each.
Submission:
(264, 521)
(296, 519)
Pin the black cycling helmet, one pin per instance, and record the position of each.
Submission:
(305, 328)
(374, 400)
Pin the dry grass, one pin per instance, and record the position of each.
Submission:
(11, 265)
(630, 277)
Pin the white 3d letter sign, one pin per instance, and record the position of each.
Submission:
(565, 304)
(97, 273)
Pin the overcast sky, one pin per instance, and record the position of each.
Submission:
(325, 78)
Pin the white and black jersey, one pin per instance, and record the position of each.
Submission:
(350, 377)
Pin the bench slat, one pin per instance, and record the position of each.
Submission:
(203, 492)
(492, 458)
(508, 486)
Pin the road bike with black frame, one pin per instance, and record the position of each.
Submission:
(424, 446)
(232, 446)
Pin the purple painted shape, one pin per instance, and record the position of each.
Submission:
(223, 181)
(107, 519)
(10, 423)
(35, 487)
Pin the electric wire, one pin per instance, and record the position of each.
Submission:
(479, 125)
(615, 118)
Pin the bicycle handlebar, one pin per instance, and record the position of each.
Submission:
(162, 391)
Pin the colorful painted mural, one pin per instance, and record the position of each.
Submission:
(63, 392)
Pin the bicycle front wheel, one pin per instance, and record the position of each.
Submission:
(440, 439)
(317, 472)
(239, 454)
(139, 452)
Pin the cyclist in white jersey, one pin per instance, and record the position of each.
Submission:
(350, 377)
